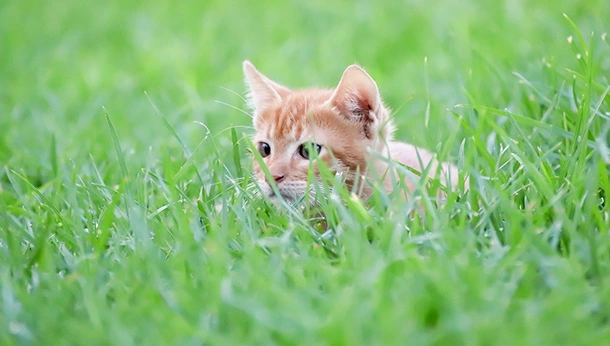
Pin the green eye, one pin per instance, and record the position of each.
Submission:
(306, 148)
(264, 149)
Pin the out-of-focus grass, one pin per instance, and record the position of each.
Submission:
(116, 145)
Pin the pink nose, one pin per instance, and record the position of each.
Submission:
(278, 178)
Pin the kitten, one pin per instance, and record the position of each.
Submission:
(348, 128)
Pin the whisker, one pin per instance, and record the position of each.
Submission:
(234, 107)
(234, 93)
(235, 127)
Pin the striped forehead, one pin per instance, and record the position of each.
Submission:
(289, 123)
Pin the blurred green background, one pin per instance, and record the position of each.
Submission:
(61, 63)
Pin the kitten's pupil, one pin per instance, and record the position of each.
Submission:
(264, 149)
(305, 147)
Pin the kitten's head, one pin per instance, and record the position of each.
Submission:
(336, 126)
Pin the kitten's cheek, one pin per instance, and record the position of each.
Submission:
(265, 188)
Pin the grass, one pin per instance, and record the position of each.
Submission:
(121, 131)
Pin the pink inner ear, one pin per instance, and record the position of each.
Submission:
(357, 94)
(357, 98)
(263, 91)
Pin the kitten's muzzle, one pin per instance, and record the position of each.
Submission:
(286, 197)
(278, 178)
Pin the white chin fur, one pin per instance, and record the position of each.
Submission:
(290, 193)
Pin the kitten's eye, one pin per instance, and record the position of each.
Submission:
(305, 149)
(264, 149)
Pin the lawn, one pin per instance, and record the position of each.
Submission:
(126, 215)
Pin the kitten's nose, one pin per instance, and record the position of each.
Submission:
(278, 178)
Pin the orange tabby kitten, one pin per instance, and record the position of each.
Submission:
(348, 127)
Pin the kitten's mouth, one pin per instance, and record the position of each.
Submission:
(287, 198)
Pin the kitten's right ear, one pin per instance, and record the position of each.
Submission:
(357, 97)
(263, 92)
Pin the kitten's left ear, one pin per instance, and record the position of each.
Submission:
(263, 91)
(357, 97)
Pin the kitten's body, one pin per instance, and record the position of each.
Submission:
(350, 126)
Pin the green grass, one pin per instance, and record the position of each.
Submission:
(120, 131)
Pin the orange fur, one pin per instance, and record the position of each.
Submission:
(350, 123)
